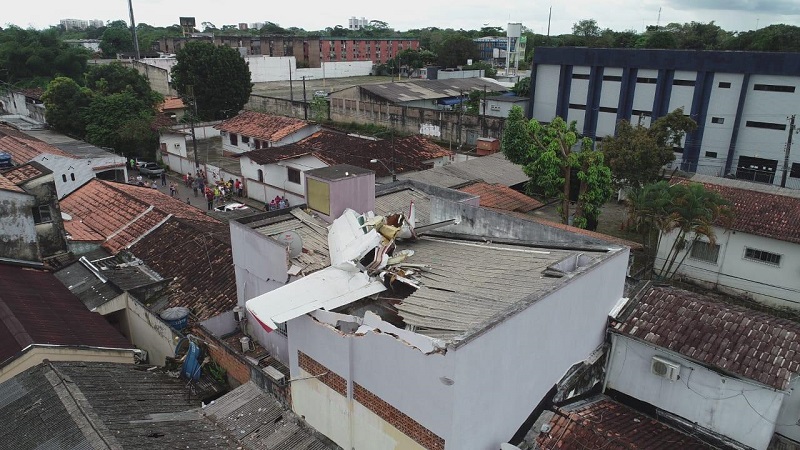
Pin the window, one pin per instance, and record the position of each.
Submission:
(612, 78)
(260, 176)
(647, 80)
(773, 88)
(704, 251)
(762, 256)
(766, 125)
(257, 143)
(794, 172)
(64, 177)
(245, 139)
(639, 112)
(41, 214)
(719, 120)
(234, 139)
(72, 176)
(678, 150)
(756, 169)
(607, 109)
(683, 82)
(580, 76)
(711, 154)
(724, 84)
(293, 175)
(576, 106)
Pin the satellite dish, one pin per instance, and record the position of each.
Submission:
(293, 242)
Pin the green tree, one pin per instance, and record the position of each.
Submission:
(455, 49)
(586, 28)
(116, 39)
(219, 76)
(121, 121)
(114, 78)
(637, 155)
(516, 142)
(522, 87)
(65, 104)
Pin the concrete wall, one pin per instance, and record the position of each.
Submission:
(18, 239)
(276, 179)
(69, 173)
(35, 354)
(157, 75)
(175, 143)
(739, 409)
(786, 424)
(732, 273)
(143, 328)
(51, 235)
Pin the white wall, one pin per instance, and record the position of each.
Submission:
(765, 283)
(645, 93)
(544, 108)
(787, 424)
(63, 166)
(717, 136)
(742, 410)
(276, 178)
(176, 143)
(242, 147)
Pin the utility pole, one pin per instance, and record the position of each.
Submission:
(291, 91)
(483, 122)
(392, 118)
(190, 91)
(305, 104)
(133, 30)
(788, 149)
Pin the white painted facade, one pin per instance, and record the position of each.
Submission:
(741, 409)
(175, 143)
(475, 395)
(69, 173)
(276, 178)
(733, 273)
(240, 146)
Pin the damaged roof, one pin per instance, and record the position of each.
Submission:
(492, 169)
(313, 233)
(25, 172)
(8, 185)
(197, 256)
(92, 290)
(601, 423)
(109, 406)
(430, 89)
(262, 126)
(748, 343)
(333, 148)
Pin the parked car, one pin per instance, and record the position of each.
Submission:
(231, 207)
(150, 169)
(140, 162)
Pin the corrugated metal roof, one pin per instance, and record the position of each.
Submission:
(315, 255)
(430, 89)
(471, 282)
(493, 169)
(400, 201)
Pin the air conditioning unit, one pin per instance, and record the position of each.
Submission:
(665, 368)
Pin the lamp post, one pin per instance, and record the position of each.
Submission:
(390, 169)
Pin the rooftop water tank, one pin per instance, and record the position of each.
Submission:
(177, 317)
(5, 160)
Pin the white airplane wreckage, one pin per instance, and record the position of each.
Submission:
(364, 262)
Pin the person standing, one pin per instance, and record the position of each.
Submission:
(238, 186)
(172, 190)
(133, 163)
(155, 185)
(195, 186)
(210, 198)
(164, 178)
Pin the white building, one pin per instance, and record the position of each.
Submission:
(253, 130)
(741, 102)
(354, 23)
(759, 256)
(460, 361)
(712, 368)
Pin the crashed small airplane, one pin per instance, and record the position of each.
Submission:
(364, 262)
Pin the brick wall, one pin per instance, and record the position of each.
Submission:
(331, 379)
(397, 419)
(237, 369)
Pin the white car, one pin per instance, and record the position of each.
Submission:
(231, 207)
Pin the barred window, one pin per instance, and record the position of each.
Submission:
(704, 251)
(762, 256)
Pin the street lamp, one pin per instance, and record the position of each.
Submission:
(391, 170)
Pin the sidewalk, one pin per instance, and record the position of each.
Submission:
(185, 193)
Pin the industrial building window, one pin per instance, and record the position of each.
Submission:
(41, 214)
(639, 112)
(704, 251)
(724, 84)
(580, 76)
(762, 256)
(612, 78)
(234, 139)
(607, 109)
(678, 150)
(766, 125)
(576, 106)
(794, 172)
(293, 175)
(773, 88)
(717, 120)
(759, 170)
(711, 154)
(647, 80)
(683, 82)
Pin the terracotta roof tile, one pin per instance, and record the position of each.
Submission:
(24, 148)
(334, 148)
(501, 197)
(741, 341)
(197, 255)
(171, 103)
(121, 213)
(760, 213)
(602, 423)
(35, 308)
(262, 126)
(22, 173)
(8, 185)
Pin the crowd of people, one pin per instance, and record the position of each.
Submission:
(277, 203)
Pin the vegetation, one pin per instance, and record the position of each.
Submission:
(689, 211)
(30, 58)
(217, 77)
(637, 154)
(549, 156)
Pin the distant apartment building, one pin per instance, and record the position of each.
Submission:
(355, 23)
(80, 24)
(310, 51)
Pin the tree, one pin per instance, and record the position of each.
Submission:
(114, 78)
(522, 87)
(121, 121)
(116, 39)
(65, 104)
(586, 28)
(455, 50)
(219, 76)
(547, 156)
(637, 155)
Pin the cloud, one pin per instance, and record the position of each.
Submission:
(780, 7)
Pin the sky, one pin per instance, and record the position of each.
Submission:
(619, 15)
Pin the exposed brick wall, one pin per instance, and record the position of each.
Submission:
(331, 379)
(397, 419)
(219, 351)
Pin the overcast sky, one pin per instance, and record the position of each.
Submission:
(619, 15)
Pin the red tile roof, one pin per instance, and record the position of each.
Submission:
(262, 126)
(24, 148)
(501, 197)
(334, 148)
(760, 213)
(35, 308)
(197, 255)
(602, 423)
(25, 172)
(738, 340)
(8, 185)
(171, 103)
(121, 213)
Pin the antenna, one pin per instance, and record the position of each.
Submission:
(293, 242)
(658, 21)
